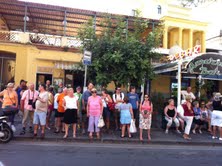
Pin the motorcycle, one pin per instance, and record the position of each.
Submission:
(6, 133)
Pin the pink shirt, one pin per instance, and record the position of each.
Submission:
(28, 94)
(94, 105)
(146, 106)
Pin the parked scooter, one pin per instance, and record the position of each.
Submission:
(6, 133)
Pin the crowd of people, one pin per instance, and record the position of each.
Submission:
(47, 109)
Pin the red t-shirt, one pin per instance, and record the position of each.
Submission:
(187, 112)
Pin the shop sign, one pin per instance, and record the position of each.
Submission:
(46, 70)
(186, 53)
(207, 64)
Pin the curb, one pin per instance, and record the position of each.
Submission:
(118, 141)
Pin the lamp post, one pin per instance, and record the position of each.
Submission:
(179, 82)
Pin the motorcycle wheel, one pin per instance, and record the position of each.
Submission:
(8, 134)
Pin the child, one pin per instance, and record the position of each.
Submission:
(126, 114)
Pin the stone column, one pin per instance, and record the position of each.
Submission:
(180, 37)
(190, 45)
(165, 38)
(203, 42)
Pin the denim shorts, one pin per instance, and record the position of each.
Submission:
(39, 118)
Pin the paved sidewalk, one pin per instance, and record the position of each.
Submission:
(158, 137)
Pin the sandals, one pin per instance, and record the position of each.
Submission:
(186, 137)
(22, 132)
(122, 136)
(56, 131)
(65, 136)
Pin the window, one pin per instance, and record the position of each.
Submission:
(159, 9)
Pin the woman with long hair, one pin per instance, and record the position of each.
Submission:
(106, 112)
(146, 110)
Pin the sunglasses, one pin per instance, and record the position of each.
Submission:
(146, 97)
(93, 91)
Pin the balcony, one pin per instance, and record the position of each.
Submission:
(39, 39)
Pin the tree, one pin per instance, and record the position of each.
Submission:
(121, 49)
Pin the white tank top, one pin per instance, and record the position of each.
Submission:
(71, 102)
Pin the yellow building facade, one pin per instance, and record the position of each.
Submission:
(35, 63)
(182, 32)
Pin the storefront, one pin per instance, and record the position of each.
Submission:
(37, 65)
(196, 71)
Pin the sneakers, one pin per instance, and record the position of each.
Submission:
(23, 131)
(193, 131)
(213, 137)
(30, 129)
(13, 128)
(220, 139)
(200, 131)
(178, 131)
(166, 132)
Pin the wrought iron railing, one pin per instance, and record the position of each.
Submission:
(7, 36)
(44, 39)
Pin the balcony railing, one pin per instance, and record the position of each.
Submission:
(35, 38)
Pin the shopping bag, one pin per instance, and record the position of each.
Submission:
(101, 122)
(132, 126)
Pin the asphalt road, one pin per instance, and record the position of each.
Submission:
(86, 154)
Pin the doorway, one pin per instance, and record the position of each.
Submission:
(74, 78)
(7, 68)
(42, 78)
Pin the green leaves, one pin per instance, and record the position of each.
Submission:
(120, 53)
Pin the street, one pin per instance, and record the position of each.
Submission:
(57, 154)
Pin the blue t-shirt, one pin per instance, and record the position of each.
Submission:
(133, 98)
(85, 96)
(19, 94)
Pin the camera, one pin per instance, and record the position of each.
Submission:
(30, 102)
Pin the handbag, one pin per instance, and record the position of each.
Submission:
(133, 127)
(101, 122)
(31, 101)
(111, 106)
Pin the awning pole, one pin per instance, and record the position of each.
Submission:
(179, 83)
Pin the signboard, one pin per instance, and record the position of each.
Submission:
(45, 70)
(186, 53)
(87, 56)
(206, 64)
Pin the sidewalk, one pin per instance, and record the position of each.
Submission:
(158, 137)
